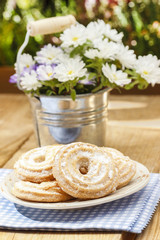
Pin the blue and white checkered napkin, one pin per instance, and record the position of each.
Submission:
(131, 213)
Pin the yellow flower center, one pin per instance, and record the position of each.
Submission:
(70, 72)
(49, 74)
(145, 72)
(27, 66)
(50, 58)
(74, 39)
(115, 76)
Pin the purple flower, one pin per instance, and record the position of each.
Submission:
(87, 82)
(45, 72)
(29, 69)
(53, 65)
(13, 78)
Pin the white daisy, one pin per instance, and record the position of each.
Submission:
(49, 54)
(92, 53)
(95, 30)
(115, 76)
(70, 69)
(112, 34)
(26, 61)
(45, 73)
(99, 29)
(149, 68)
(29, 81)
(105, 50)
(73, 36)
(126, 56)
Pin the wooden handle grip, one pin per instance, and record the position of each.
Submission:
(50, 25)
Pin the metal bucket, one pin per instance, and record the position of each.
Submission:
(59, 119)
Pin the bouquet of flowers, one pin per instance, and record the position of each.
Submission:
(87, 60)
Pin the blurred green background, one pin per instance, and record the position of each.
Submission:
(139, 20)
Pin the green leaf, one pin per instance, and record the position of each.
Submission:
(50, 83)
(92, 65)
(50, 92)
(79, 86)
(76, 51)
(81, 78)
(131, 72)
(92, 75)
(105, 82)
(61, 88)
(143, 85)
(67, 86)
(73, 94)
(131, 85)
(99, 87)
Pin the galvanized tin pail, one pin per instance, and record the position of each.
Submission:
(59, 119)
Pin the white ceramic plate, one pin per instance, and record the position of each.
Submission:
(139, 181)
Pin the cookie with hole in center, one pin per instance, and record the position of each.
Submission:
(36, 164)
(85, 171)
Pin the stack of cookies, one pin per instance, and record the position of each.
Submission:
(77, 170)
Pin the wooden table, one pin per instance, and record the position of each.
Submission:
(133, 128)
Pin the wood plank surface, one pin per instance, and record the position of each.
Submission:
(15, 125)
(140, 143)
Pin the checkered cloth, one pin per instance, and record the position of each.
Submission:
(131, 213)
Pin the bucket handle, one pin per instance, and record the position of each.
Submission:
(43, 27)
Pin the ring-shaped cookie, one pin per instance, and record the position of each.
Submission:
(36, 164)
(85, 171)
(40, 192)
